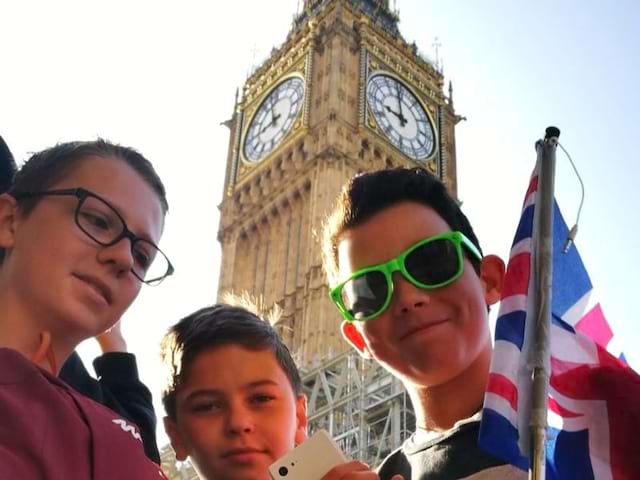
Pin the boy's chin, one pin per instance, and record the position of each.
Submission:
(247, 472)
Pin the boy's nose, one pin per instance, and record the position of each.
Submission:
(239, 421)
(406, 296)
(119, 255)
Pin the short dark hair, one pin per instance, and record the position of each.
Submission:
(369, 193)
(212, 327)
(45, 168)
(7, 166)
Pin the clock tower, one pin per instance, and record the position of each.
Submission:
(344, 93)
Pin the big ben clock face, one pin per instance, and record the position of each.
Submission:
(400, 116)
(274, 118)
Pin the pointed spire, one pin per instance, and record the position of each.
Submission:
(436, 45)
(450, 94)
(229, 123)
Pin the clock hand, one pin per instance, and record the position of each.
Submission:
(271, 109)
(399, 93)
(390, 110)
(272, 123)
(399, 97)
(400, 116)
(268, 125)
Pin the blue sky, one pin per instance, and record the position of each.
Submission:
(518, 67)
(161, 76)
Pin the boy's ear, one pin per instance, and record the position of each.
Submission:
(301, 420)
(492, 272)
(355, 338)
(171, 427)
(8, 217)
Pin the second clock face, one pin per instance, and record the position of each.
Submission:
(400, 116)
(274, 118)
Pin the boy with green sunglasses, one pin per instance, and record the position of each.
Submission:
(408, 276)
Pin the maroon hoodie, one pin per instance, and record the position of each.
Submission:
(47, 430)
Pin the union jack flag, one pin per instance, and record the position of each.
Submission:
(594, 397)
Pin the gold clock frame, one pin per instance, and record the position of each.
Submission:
(371, 122)
(255, 106)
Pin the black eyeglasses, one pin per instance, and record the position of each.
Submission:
(105, 226)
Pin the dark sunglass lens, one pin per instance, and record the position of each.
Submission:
(363, 296)
(434, 262)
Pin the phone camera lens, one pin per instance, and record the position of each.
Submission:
(283, 471)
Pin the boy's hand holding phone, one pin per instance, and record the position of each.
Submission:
(354, 470)
(320, 459)
(309, 460)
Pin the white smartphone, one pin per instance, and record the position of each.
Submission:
(310, 460)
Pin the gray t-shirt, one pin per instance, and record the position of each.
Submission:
(450, 455)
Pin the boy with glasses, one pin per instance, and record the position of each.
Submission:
(117, 384)
(408, 276)
(79, 229)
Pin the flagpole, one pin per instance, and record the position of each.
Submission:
(546, 150)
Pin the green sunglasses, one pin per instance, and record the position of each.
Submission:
(431, 263)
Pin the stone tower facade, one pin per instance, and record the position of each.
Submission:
(345, 93)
